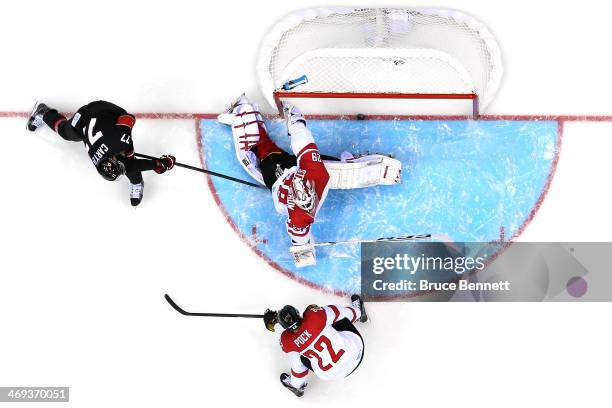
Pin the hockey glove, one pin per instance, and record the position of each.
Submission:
(164, 163)
(270, 319)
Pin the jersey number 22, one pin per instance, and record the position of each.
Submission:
(324, 344)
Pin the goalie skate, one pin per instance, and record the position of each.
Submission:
(303, 255)
(365, 171)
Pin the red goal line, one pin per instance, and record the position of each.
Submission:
(279, 95)
(201, 115)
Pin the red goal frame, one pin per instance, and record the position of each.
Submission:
(364, 95)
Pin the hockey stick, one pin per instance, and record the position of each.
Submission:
(418, 237)
(186, 313)
(212, 173)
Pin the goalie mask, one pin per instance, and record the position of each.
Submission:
(110, 168)
(304, 194)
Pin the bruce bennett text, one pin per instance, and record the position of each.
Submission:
(425, 285)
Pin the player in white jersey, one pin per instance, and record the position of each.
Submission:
(298, 181)
(323, 341)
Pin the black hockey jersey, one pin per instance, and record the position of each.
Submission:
(106, 129)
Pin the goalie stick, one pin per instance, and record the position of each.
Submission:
(186, 313)
(417, 237)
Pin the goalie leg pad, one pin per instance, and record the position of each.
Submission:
(247, 128)
(365, 171)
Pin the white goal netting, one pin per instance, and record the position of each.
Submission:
(380, 51)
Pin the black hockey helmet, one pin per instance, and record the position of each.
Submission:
(289, 318)
(110, 168)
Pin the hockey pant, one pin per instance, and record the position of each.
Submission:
(275, 161)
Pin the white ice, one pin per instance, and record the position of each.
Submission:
(74, 316)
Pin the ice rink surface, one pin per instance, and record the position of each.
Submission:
(83, 274)
(468, 181)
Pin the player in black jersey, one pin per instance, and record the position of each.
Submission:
(106, 130)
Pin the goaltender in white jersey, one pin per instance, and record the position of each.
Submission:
(299, 182)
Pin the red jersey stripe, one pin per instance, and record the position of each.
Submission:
(336, 312)
(309, 146)
(126, 120)
(57, 123)
(299, 375)
(304, 151)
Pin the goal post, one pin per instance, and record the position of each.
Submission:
(377, 61)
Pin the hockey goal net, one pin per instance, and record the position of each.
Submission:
(381, 61)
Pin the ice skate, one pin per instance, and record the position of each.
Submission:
(358, 303)
(285, 379)
(136, 193)
(35, 120)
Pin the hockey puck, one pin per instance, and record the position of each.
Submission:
(361, 116)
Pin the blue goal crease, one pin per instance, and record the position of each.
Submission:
(466, 179)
